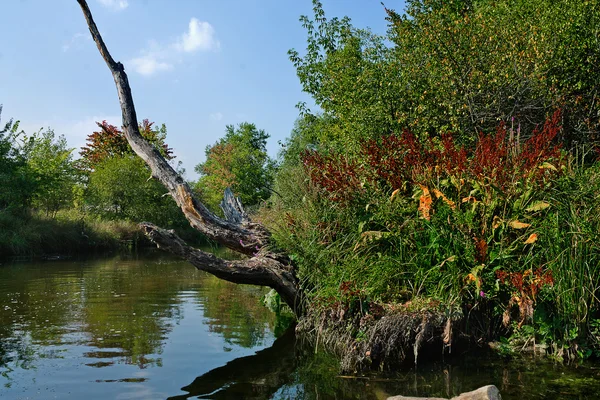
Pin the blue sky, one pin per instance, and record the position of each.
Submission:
(195, 65)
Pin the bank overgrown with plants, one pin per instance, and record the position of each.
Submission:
(449, 184)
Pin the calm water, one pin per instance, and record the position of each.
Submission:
(154, 328)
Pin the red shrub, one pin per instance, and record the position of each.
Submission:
(395, 160)
(334, 173)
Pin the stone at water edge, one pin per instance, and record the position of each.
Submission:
(489, 392)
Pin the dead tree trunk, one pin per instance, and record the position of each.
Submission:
(237, 232)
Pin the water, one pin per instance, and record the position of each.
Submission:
(153, 327)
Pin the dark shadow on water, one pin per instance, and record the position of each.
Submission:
(257, 376)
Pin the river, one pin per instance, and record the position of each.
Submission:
(152, 327)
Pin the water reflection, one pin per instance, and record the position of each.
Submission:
(257, 376)
(150, 328)
(102, 315)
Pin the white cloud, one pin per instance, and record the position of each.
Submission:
(116, 5)
(149, 64)
(156, 57)
(216, 116)
(76, 41)
(200, 36)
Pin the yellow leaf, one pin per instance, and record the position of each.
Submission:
(518, 225)
(547, 165)
(532, 238)
(439, 194)
(538, 206)
(394, 194)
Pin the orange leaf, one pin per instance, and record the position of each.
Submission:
(532, 238)
(425, 203)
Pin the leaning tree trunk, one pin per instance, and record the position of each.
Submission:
(237, 232)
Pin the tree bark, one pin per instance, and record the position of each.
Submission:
(237, 231)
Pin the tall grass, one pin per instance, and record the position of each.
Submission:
(573, 247)
(69, 232)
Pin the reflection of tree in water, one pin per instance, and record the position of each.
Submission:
(15, 352)
(36, 309)
(122, 308)
(233, 311)
(133, 309)
(252, 377)
(144, 304)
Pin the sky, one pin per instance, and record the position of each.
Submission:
(194, 65)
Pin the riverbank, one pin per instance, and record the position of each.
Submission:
(67, 233)
(495, 248)
(33, 235)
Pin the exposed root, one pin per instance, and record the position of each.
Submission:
(369, 343)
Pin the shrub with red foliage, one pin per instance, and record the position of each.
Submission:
(395, 160)
(481, 250)
(527, 283)
(541, 146)
(110, 141)
(334, 173)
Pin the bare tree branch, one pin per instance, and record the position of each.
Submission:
(258, 270)
(242, 238)
(236, 232)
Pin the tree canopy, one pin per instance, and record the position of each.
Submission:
(240, 161)
(110, 141)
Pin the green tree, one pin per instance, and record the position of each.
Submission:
(51, 163)
(238, 160)
(352, 78)
(119, 188)
(456, 66)
(17, 181)
(118, 184)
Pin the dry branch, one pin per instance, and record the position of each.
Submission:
(236, 232)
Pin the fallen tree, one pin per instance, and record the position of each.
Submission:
(262, 266)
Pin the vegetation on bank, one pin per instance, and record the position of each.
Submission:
(54, 204)
(452, 169)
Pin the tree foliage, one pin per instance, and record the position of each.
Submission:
(51, 164)
(238, 160)
(456, 66)
(17, 183)
(119, 188)
(110, 141)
